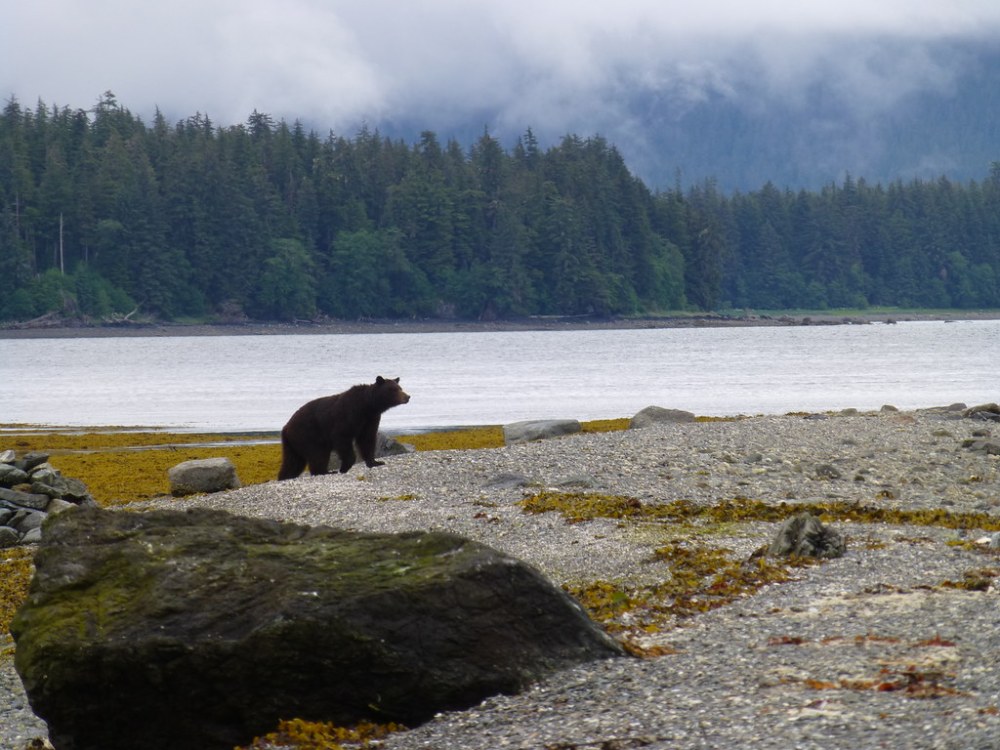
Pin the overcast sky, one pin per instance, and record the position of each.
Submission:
(553, 65)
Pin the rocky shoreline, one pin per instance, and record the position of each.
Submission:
(59, 328)
(897, 643)
(30, 490)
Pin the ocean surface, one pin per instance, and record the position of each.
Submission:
(254, 383)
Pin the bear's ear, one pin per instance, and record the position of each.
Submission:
(379, 380)
(396, 381)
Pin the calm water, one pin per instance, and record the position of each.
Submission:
(253, 383)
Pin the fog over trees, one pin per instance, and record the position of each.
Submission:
(102, 213)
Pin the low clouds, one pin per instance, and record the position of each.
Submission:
(556, 66)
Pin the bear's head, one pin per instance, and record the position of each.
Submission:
(388, 393)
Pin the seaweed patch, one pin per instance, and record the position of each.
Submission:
(314, 735)
(16, 569)
(581, 506)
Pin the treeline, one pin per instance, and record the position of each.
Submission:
(921, 244)
(102, 215)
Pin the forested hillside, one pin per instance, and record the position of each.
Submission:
(102, 214)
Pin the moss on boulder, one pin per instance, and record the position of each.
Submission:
(217, 626)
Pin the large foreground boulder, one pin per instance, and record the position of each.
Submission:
(202, 629)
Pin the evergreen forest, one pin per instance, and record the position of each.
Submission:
(103, 216)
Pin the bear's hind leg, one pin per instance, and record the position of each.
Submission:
(292, 464)
(345, 452)
(319, 460)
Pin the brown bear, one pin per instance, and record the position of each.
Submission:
(337, 423)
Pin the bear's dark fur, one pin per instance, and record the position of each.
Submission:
(337, 423)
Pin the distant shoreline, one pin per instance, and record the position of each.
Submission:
(554, 323)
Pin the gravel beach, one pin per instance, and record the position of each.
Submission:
(880, 648)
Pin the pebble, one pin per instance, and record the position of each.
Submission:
(867, 650)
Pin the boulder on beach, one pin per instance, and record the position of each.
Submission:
(202, 475)
(30, 490)
(803, 535)
(385, 445)
(539, 429)
(202, 629)
(986, 412)
(658, 414)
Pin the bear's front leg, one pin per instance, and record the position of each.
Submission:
(345, 452)
(367, 440)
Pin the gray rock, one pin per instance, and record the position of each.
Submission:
(827, 471)
(242, 622)
(35, 501)
(11, 475)
(40, 488)
(34, 536)
(539, 429)
(76, 491)
(29, 461)
(657, 414)
(46, 473)
(7, 456)
(510, 481)
(805, 536)
(50, 492)
(26, 520)
(987, 412)
(47, 480)
(989, 447)
(387, 445)
(384, 446)
(9, 537)
(576, 480)
(58, 505)
(202, 475)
